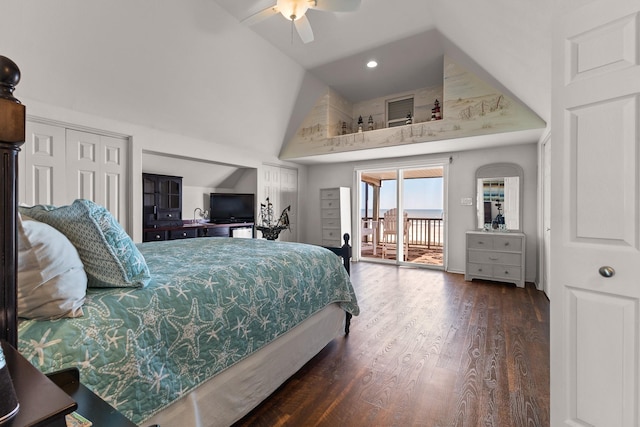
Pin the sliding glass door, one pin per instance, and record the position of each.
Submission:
(402, 215)
(423, 201)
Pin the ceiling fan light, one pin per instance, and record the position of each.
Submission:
(293, 9)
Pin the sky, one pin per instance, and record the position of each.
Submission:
(422, 193)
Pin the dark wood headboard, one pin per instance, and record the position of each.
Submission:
(12, 135)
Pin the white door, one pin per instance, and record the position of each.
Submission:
(289, 197)
(595, 336)
(42, 171)
(96, 170)
(280, 185)
(546, 216)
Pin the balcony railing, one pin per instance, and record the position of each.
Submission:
(425, 232)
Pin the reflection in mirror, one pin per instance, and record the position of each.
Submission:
(498, 203)
(498, 197)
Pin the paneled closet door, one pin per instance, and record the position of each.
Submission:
(281, 186)
(42, 177)
(289, 197)
(96, 170)
(271, 187)
(595, 239)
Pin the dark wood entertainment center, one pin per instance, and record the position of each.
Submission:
(189, 231)
(162, 213)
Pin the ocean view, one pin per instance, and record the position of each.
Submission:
(415, 213)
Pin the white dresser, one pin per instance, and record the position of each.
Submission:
(335, 215)
(496, 256)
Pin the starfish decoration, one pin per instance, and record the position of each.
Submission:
(150, 317)
(40, 346)
(190, 328)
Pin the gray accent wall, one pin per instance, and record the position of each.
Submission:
(461, 184)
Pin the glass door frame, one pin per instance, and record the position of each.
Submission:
(399, 168)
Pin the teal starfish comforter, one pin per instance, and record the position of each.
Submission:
(211, 303)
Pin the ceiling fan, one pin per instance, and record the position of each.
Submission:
(294, 11)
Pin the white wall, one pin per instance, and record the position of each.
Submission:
(182, 67)
(145, 139)
(461, 184)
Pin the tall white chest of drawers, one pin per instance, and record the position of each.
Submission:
(335, 215)
(496, 256)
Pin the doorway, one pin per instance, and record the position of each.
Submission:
(402, 215)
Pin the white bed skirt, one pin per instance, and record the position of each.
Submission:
(234, 392)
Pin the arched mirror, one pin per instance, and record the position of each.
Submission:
(499, 197)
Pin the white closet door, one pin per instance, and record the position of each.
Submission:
(595, 243)
(96, 170)
(281, 186)
(270, 189)
(42, 178)
(289, 197)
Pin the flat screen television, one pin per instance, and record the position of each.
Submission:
(231, 207)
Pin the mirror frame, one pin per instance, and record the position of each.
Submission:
(501, 170)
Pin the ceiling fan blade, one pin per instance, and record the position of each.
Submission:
(304, 29)
(336, 5)
(261, 11)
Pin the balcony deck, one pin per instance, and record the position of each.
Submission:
(425, 237)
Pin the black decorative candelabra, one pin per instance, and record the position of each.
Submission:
(268, 226)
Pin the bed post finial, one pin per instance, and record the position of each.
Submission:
(12, 136)
(9, 78)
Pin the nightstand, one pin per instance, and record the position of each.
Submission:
(46, 399)
(42, 403)
(90, 406)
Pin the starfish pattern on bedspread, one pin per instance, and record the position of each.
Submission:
(142, 349)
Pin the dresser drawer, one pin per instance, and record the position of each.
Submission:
(507, 243)
(169, 216)
(480, 241)
(330, 222)
(332, 234)
(153, 236)
(488, 257)
(330, 193)
(183, 234)
(332, 243)
(507, 272)
(330, 204)
(330, 213)
(480, 269)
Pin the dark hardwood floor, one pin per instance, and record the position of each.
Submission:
(428, 349)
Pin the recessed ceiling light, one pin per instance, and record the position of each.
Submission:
(372, 64)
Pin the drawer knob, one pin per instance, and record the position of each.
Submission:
(506, 243)
(606, 271)
(157, 236)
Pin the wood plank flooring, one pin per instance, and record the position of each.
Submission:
(428, 349)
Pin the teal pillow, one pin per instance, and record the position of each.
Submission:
(110, 258)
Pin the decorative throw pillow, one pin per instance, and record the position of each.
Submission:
(51, 278)
(110, 257)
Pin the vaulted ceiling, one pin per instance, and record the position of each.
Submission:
(507, 39)
(192, 69)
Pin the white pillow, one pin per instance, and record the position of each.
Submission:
(52, 282)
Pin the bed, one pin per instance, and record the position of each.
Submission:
(198, 332)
